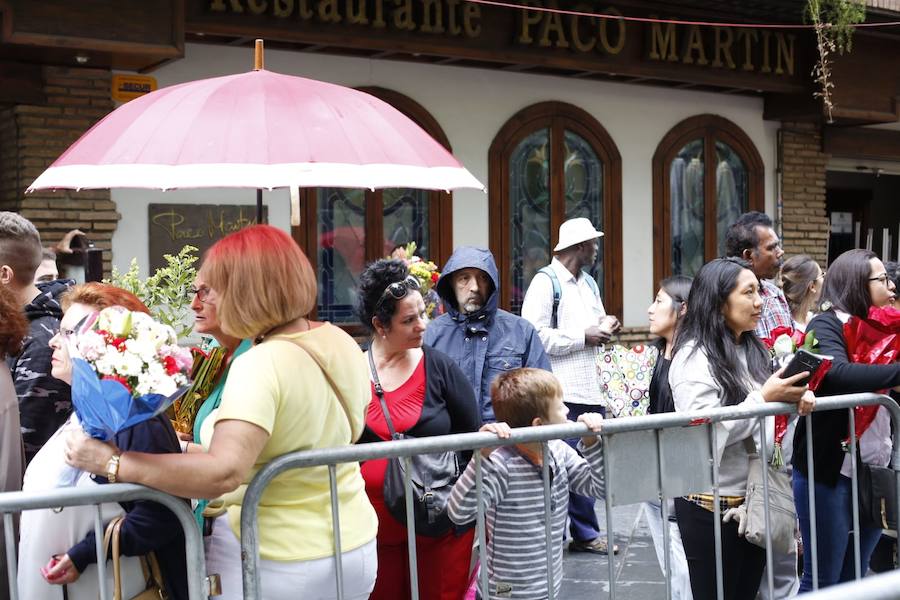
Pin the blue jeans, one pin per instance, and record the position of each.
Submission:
(834, 538)
(583, 523)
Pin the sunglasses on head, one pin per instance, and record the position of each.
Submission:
(398, 290)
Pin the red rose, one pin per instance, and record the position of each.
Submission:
(119, 344)
(435, 276)
(171, 365)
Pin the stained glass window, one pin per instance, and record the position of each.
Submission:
(584, 189)
(406, 219)
(551, 162)
(709, 172)
(687, 212)
(529, 198)
(341, 235)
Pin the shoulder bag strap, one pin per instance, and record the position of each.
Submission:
(557, 294)
(379, 391)
(340, 398)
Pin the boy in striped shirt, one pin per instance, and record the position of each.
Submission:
(513, 490)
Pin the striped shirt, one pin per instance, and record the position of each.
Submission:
(515, 515)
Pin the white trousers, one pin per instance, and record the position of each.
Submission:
(681, 580)
(786, 582)
(311, 579)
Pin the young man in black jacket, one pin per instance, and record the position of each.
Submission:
(44, 401)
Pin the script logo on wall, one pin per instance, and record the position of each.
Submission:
(173, 226)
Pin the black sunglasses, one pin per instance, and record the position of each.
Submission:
(398, 290)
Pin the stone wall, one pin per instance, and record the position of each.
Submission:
(804, 224)
(33, 136)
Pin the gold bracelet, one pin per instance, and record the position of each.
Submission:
(112, 468)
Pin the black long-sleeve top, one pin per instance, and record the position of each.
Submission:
(147, 525)
(831, 427)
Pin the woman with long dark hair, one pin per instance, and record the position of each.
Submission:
(719, 361)
(665, 314)
(856, 281)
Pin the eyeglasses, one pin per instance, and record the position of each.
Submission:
(398, 290)
(202, 292)
(883, 278)
(822, 276)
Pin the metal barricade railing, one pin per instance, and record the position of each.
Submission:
(885, 586)
(647, 440)
(17, 502)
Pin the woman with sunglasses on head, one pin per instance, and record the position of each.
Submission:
(802, 280)
(856, 281)
(719, 361)
(57, 548)
(426, 394)
(302, 386)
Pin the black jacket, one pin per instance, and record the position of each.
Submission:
(44, 401)
(449, 405)
(831, 427)
(147, 525)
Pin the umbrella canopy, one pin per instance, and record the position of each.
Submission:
(256, 130)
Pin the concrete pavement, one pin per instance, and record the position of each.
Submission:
(638, 576)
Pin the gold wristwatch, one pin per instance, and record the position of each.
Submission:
(112, 468)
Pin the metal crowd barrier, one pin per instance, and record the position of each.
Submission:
(668, 445)
(885, 586)
(16, 502)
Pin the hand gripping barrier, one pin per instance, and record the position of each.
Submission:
(15, 502)
(650, 441)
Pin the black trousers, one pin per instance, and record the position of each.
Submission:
(742, 562)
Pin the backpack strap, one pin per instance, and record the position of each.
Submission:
(592, 283)
(557, 293)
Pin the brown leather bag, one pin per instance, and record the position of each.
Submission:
(155, 587)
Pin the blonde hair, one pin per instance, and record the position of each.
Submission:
(262, 278)
(521, 395)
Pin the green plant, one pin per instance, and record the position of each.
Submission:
(165, 292)
(833, 22)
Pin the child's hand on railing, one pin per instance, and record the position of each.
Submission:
(594, 421)
(501, 430)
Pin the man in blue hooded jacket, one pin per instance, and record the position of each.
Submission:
(483, 339)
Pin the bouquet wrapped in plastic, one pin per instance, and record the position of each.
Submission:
(426, 272)
(126, 369)
(208, 364)
(783, 343)
(872, 341)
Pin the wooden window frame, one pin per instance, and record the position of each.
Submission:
(710, 128)
(440, 213)
(557, 117)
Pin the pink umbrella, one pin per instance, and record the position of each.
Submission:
(256, 130)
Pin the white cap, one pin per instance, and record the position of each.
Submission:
(575, 231)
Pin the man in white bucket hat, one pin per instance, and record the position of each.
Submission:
(563, 303)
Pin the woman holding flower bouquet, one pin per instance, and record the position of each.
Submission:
(57, 548)
(303, 385)
(719, 361)
(856, 287)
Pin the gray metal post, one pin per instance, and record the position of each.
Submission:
(610, 536)
(664, 510)
(717, 513)
(811, 492)
(410, 530)
(548, 518)
(480, 524)
(101, 553)
(764, 461)
(336, 531)
(10, 541)
(854, 493)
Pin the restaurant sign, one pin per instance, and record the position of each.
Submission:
(464, 30)
(173, 226)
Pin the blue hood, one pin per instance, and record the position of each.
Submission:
(466, 257)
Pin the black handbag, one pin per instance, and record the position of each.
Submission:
(431, 479)
(877, 496)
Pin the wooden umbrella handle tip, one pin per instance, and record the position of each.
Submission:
(258, 62)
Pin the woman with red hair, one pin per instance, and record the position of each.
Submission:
(63, 542)
(303, 385)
